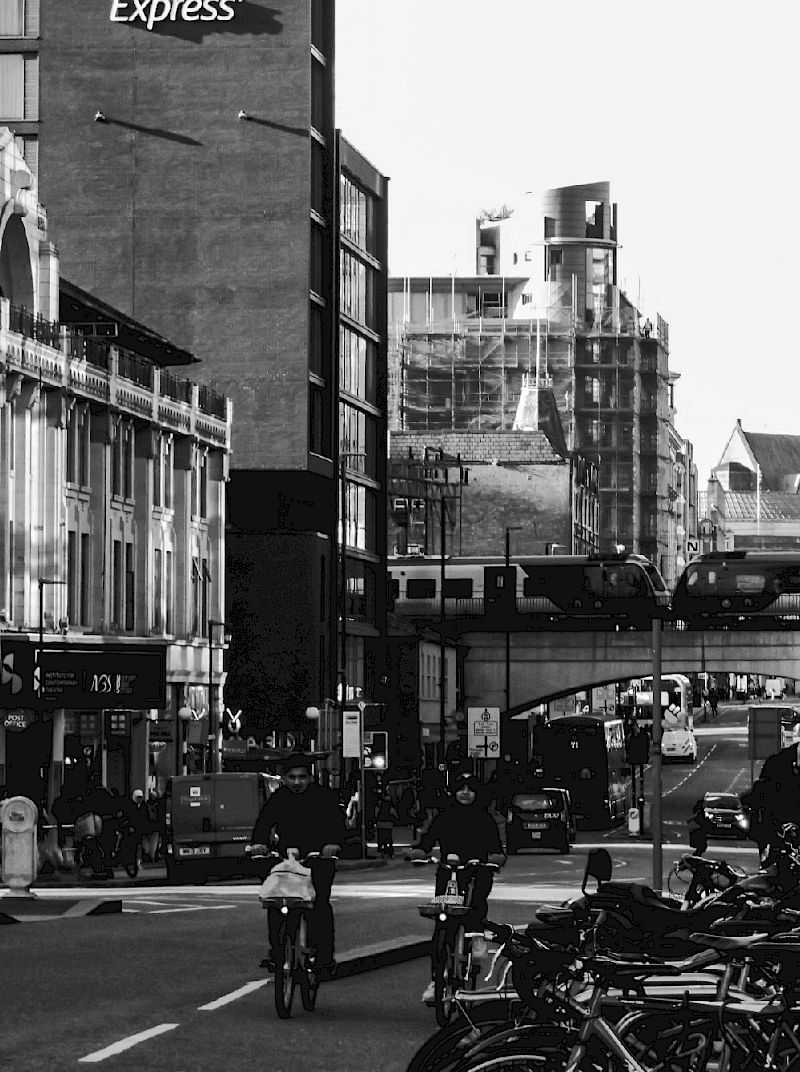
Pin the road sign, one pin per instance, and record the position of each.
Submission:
(692, 547)
(351, 734)
(483, 725)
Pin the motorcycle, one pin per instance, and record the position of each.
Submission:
(636, 918)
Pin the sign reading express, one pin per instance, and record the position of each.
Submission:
(152, 11)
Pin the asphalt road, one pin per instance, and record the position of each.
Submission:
(172, 983)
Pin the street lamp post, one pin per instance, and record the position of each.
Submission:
(214, 741)
(509, 530)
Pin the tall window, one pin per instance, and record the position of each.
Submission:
(72, 575)
(357, 365)
(168, 597)
(116, 460)
(116, 583)
(158, 590)
(197, 590)
(12, 18)
(357, 290)
(11, 410)
(162, 472)
(130, 587)
(11, 557)
(19, 86)
(85, 579)
(128, 441)
(72, 445)
(84, 455)
(356, 215)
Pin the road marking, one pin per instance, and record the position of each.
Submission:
(248, 988)
(190, 908)
(126, 1043)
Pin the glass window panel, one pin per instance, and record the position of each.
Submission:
(12, 86)
(12, 15)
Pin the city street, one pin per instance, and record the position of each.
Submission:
(175, 976)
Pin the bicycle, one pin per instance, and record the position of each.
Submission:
(295, 957)
(655, 1033)
(455, 955)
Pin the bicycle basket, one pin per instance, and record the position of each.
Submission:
(435, 909)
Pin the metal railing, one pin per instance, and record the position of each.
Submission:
(24, 322)
(212, 403)
(82, 348)
(134, 368)
(174, 387)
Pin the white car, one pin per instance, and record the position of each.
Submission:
(678, 744)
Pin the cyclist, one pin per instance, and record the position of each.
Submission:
(303, 815)
(468, 830)
(773, 801)
(699, 829)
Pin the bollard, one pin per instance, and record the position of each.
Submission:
(633, 820)
(18, 816)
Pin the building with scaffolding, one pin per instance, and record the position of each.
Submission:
(544, 310)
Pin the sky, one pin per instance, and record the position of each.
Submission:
(687, 108)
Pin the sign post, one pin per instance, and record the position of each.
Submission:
(352, 747)
(483, 725)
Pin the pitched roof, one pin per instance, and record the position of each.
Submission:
(777, 455)
(775, 505)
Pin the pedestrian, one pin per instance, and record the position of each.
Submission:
(713, 699)
(698, 829)
(154, 830)
(432, 796)
(385, 818)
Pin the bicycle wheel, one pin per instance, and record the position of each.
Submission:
(448, 1045)
(671, 1042)
(543, 1051)
(285, 963)
(445, 982)
(309, 980)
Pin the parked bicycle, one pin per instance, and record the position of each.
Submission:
(456, 952)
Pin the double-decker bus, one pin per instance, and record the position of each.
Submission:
(586, 755)
(676, 703)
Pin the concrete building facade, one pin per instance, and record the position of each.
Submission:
(112, 526)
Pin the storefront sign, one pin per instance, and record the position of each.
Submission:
(151, 12)
(18, 719)
(100, 679)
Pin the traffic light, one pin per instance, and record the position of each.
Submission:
(376, 751)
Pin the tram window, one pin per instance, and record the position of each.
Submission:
(751, 582)
(458, 588)
(421, 588)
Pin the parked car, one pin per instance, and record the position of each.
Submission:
(774, 688)
(726, 815)
(678, 743)
(540, 819)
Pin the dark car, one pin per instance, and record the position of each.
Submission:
(540, 819)
(726, 815)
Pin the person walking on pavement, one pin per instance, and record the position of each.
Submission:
(698, 829)
(713, 699)
(152, 839)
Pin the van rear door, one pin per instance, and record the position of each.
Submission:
(192, 813)
(237, 803)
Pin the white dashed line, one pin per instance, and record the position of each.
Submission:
(191, 908)
(125, 1044)
(248, 988)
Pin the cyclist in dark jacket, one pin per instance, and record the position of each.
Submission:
(774, 800)
(468, 830)
(303, 815)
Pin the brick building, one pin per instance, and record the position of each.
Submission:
(516, 480)
(202, 151)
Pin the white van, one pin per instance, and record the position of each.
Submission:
(775, 688)
(678, 743)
